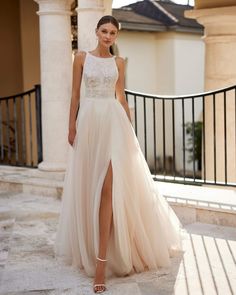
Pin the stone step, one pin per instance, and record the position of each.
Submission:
(201, 203)
(191, 203)
(31, 181)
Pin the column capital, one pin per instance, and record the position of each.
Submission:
(79, 9)
(198, 4)
(51, 7)
(90, 4)
(218, 22)
(216, 11)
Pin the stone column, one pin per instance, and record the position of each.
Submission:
(56, 70)
(89, 12)
(220, 71)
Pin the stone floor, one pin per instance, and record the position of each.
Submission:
(27, 263)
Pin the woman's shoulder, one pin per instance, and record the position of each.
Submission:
(80, 56)
(80, 53)
(120, 61)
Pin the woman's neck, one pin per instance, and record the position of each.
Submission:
(102, 52)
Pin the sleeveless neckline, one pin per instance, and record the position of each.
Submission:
(100, 57)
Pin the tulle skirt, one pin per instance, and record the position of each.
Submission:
(145, 230)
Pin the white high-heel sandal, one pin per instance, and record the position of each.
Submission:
(104, 288)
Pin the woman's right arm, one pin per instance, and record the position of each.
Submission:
(75, 98)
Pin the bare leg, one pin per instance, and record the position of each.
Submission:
(105, 222)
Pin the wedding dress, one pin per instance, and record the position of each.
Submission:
(145, 231)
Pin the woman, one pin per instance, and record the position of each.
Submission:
(113, 220)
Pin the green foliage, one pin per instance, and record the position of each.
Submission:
(194, 142)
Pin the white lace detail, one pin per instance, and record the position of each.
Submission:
(100, 76)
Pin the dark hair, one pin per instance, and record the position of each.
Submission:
(108, 19)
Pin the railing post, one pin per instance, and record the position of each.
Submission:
(39, 122)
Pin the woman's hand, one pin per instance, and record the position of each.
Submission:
(71, 136)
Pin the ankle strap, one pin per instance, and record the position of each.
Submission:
(101, 259)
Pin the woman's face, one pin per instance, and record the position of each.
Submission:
(106, 34)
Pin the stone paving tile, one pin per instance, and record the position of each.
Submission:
(6, 227)
(6, 194)
(32, 241)
(207, 267)
(23, 206)
(47, 292)
(121, 289)
(39, 278)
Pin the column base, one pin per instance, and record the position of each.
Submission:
(53, 167)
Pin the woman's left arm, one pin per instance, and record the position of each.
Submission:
(120, 86)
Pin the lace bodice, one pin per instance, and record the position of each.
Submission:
(100, 75)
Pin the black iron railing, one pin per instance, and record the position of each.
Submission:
(189, 138)
(20, 129)
(185, 139)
